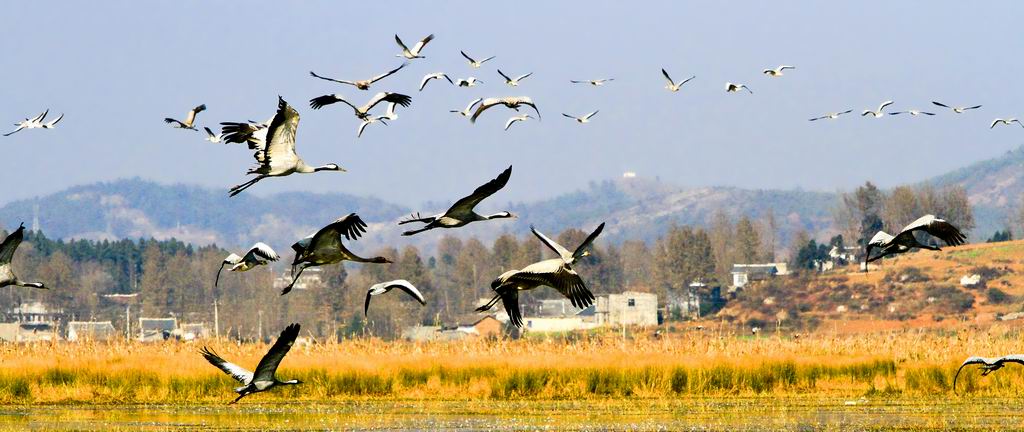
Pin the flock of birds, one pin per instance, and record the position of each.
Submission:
(273, 143)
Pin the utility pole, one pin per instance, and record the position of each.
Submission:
(128, 322)
(216, 320)
(260, 330)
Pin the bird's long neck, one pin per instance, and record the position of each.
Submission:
(290, 382)
(496, 216)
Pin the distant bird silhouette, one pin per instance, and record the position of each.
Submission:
(510, 102)
(210, 136)
(277, 156)
(364, 111)
(469, 108)
(190, 118)
(777, 72)
(515, 119)
(988, 365)
(830, 116)
(259, 254)
(35, 123)
(475, 63)
(734, 87)
(325, 247)
(513, 82)
(556, 273)
(413, 53)
(959, 109)
(462, 212)
(593, 82)
(468, 82)
(362, 84)
(384, 287)
(672, 85)
(581, 119)
(1005, 121)
(913, 112)
(878, 113)
(7, 248)
(263, 378)
(905, 240)
(435, 75)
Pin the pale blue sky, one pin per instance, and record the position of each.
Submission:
(118, 68)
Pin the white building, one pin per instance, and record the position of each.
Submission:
(742, 274)
(98, 331)
(628, 308)
(310, 277)
(156, 329)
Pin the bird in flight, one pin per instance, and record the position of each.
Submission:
(276, 156)
(469, 108)
(672, 85)
(210, 136)
(468, 82)
(384, 287)
(190, 118)
(515, 119)
(913, 112)
(252, 133)
(462, 212)
(905, 240)
(259, 254)
(959, 109)
(435, 75)
(988, 365)
(878, 113)
(413, 53)
(36, 123)
(513, 82)
(1005, 121)
(362, 84)
(324, 247)
(364, 111)
(511, 102)
(777, 72)
(7, 248)
(733, 88)
(593, 82)
(474, 63)
(264, 377)
(581, 119)
(831, 116)
(557, 273)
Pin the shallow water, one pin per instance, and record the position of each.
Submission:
(761, 413)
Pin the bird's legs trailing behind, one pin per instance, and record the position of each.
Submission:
(490, 304)
(295, 278)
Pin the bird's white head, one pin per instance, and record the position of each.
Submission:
(331, 167)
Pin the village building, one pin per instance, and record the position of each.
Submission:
(156, 329)
(742, 274)
(31, 322)
(95, 331)
(310, 278)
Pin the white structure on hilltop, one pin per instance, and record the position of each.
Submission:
(742, 274)
(629, 174)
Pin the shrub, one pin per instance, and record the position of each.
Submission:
(998, 296)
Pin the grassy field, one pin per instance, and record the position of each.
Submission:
(893, 364)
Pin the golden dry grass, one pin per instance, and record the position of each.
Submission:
(601, 366)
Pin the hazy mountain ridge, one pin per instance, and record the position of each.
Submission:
(634, 208)
(994, 187)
